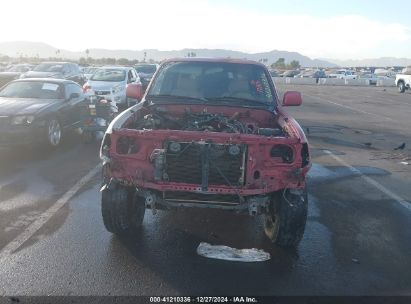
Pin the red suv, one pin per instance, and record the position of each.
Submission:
(209, 133)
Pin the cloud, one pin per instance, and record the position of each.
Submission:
(177, 24)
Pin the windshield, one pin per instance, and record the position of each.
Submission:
(49, 67)
(146, 69)
(114, 75)
(222, 81)
(18, 68)
(33, 89)
(89, 70)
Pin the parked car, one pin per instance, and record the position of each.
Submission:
(209, 133)
(38, 111)
(111, 82)
(372, 78)
(403, 80)
(146, 72)
(89, 71)
(58, 70)
(290, 73)
(312, 74)
(343, 74)
(274, 73)
(14, 72)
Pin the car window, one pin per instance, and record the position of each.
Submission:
(130, 76)
(33, 89)
(49, 67)
(73, 88)
(135, 75)
(146, 69)
(75, 68)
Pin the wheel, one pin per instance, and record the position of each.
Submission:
(401, 87)
(285, 223)
(54, 133)
(122, 210)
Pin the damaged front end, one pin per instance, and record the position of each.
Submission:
(208, 157)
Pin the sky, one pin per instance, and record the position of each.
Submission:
(334, 29)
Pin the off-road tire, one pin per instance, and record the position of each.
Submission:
(401, 87)
(285, 223)
(122, 210)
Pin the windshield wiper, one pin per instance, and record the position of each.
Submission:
(169, 96)
(236, 99)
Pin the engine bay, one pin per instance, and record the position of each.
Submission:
(159, 118)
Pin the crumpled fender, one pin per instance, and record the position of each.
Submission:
(121, 119)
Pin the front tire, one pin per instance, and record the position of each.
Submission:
(54, 133)
(285, 223)
(122, 210)
(401, 87)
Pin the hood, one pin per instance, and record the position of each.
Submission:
(104, 85)
(34, 74)
(18, 106)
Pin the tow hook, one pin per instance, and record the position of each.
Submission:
(151, 201)
(258, 205)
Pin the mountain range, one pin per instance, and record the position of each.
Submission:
(43, 50)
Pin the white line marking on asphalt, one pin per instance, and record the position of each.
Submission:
(47, 215)
(348, 107)
(371, 181)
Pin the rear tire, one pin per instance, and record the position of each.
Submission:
(401, 87)
(122, 210)
(285, 223)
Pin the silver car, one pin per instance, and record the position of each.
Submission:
(111, 82)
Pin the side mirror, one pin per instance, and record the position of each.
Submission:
(134, 90)
(292, 98)
(73, 96)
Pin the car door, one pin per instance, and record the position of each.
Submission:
(73, 105)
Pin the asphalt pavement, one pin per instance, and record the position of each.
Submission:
(357, 239)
